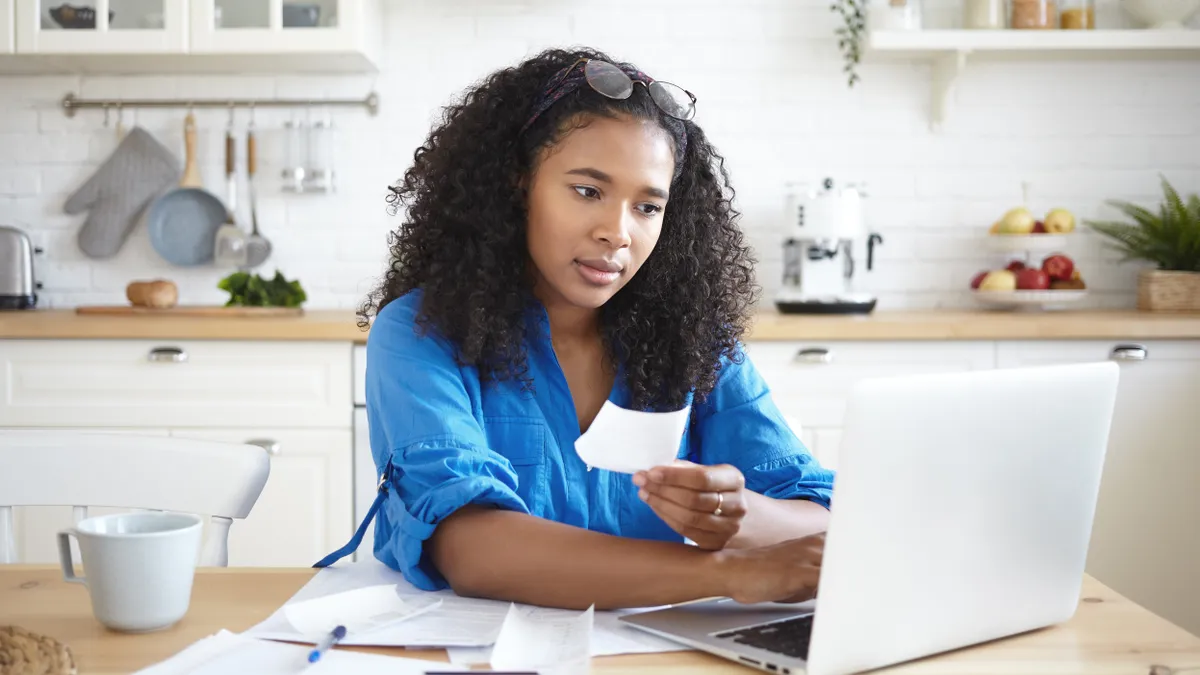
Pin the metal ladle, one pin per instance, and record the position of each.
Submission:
(258, 247)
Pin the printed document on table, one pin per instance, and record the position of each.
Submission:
(628, 441)
(227, 652)
(360, 611)
(457, 622)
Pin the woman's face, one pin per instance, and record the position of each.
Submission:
(596, 204)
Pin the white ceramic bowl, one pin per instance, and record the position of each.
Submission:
(1161, 14)
(1035, 300)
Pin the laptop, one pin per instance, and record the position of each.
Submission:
(961, 513)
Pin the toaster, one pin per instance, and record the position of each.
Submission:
(17, 286)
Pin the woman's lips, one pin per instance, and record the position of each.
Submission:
(598, 272)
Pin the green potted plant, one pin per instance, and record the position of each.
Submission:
(1169, 238)
(850, 35)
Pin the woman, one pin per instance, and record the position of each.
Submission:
(569, 240)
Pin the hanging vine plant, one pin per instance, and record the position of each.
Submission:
(850, 34)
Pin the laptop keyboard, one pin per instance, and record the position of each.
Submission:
(789, 636)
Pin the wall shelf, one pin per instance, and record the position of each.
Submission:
(949, 51)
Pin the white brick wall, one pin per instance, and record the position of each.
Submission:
(771, 95)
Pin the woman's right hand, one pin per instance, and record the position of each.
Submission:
(783, 572)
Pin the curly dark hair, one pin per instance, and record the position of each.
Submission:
(465, 221)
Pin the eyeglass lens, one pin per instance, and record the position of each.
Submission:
(613, 82)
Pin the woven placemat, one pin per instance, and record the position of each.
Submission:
(24, 652)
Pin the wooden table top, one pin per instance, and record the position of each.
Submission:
(1109, 634)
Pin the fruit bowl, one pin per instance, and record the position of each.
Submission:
(1032, 243)
(1029, 299)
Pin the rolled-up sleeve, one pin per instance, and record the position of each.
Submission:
(739, 424)
(424, 418)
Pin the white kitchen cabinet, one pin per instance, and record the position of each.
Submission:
(109, 27)
(810, 382)
(330, 27)
(8, 38)
(306, 509)
(168, 383)
(1146, 535)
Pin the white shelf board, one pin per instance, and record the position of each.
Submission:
(178, 64)
(1117, 44)
(950, 50)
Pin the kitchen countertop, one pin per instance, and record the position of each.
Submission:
(340, 325)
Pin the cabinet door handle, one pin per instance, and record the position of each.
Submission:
(167, 355)
(814, 355)
(269, 444)
(1129, 353)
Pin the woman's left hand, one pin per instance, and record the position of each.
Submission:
(703, 503)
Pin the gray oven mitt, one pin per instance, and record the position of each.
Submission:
(139, 170)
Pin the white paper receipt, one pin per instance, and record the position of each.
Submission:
(551, 641)
(628, 441)
(361, 610)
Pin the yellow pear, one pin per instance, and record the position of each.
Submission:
(999, 280)
(1059, 221)
(1017, 221)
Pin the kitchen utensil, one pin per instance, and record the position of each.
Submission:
(183, 222)
(258, 247)
(189, 310)
(17, 287)
(115, 196)
(229, 247)
(297, 155)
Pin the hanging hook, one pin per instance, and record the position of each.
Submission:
(120, 121)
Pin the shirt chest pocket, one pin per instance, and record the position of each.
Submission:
(522, 441)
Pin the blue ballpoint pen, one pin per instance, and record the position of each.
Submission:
(324, 646)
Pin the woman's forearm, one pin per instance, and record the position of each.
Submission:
(512, 556)
(769, 521)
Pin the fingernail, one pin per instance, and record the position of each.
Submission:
(639, 480)
(642, 495)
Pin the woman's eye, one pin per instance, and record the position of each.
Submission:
(586, 191)
(650, 209)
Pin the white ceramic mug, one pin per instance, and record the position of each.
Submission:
(139, 567)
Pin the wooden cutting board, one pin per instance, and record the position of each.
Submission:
(190, 310)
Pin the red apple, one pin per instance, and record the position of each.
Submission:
(1039, 227)
(1015, 266)
(978, 279)
(1033, 280)
(1058, 266)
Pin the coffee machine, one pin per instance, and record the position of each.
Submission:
(822, 229)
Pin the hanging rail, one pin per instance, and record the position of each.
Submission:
(70, 103)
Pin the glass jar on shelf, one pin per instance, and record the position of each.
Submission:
(1078, 15)
(1034, 14)
(894, 15)
(984, 14)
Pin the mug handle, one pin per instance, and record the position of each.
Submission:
(64, 558)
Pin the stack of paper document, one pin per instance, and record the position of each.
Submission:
(380, 608)
(226, 652)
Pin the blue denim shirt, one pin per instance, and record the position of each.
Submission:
(453, 441)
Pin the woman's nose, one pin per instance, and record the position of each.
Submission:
(614, 229)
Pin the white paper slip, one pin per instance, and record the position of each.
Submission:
(361, 610)
(547, 640)
(227, 652)
(610, 636)
(628, 441)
